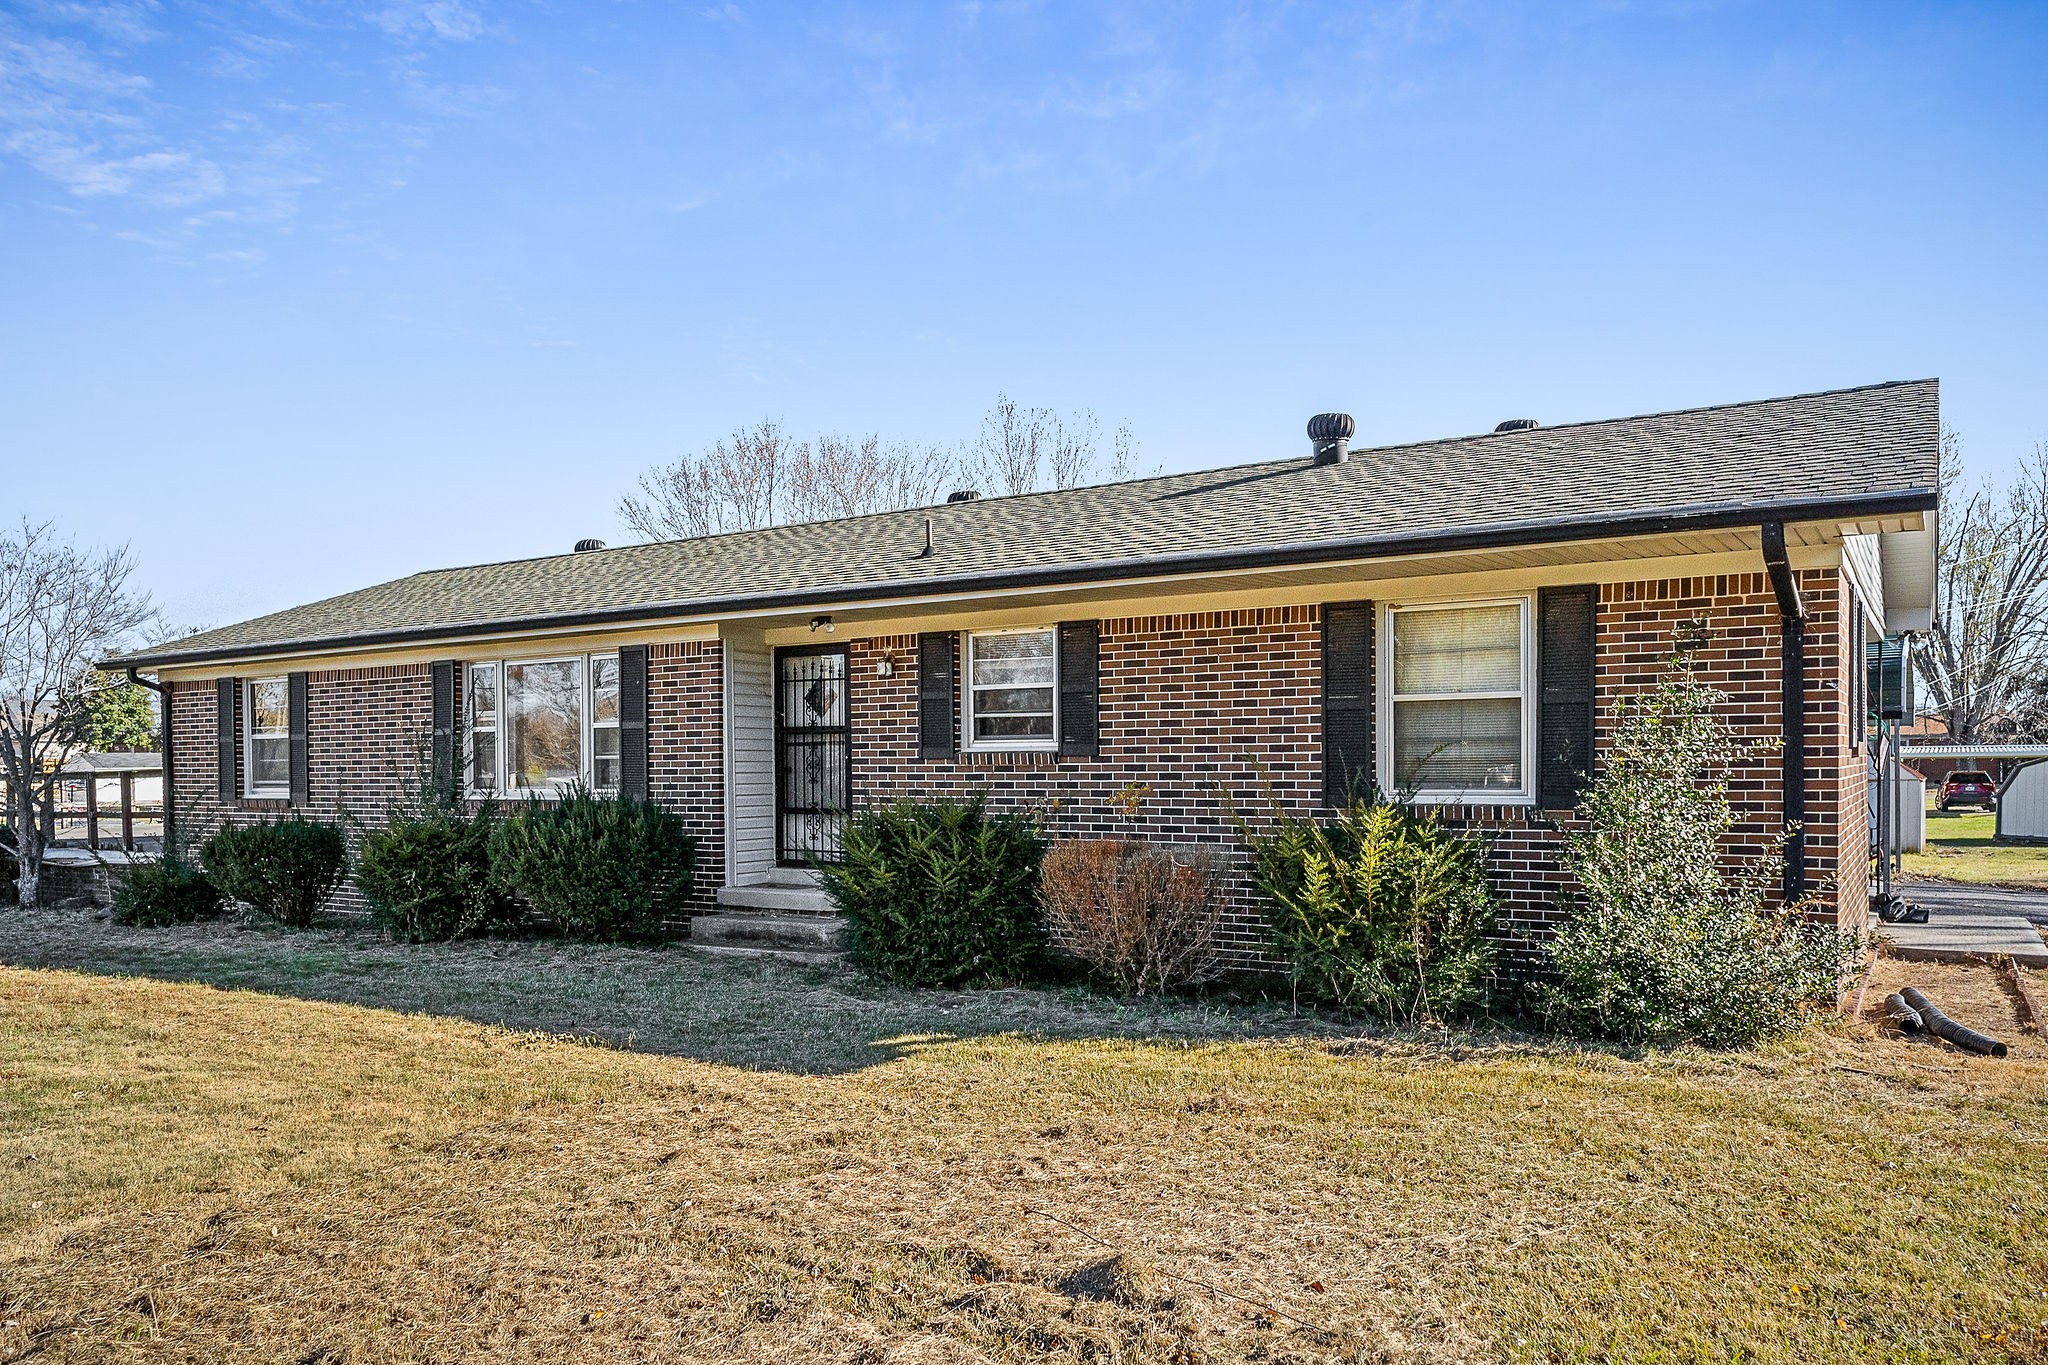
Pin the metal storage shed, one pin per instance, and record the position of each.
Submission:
(2023, 803)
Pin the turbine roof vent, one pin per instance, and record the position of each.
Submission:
(1330, 435)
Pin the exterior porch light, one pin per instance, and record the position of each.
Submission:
(823, 623)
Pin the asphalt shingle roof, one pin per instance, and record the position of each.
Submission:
(1718, 465)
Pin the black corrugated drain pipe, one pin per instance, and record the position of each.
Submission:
(1792, 701)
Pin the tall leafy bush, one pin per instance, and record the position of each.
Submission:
(1670, 937)
(285, 869)
(1380, 909)
(940, 893)
(605, 869)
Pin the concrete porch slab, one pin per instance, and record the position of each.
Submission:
(1971, 922)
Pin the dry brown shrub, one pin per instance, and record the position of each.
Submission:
(1142, 916)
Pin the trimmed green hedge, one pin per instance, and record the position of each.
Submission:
(285, 869)
(605, 869)
(159, 892)
(941, 894)
(427, 876)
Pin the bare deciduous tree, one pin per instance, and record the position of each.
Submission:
(1990, 638)
(61, 611)
(1022, 450)
(737, 485)
(836, 477)
(760, 477)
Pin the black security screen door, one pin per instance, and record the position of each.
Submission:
(813, 756)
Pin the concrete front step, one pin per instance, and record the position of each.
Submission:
(806, 933)
(786, 900)
(801, 957)
(792, 876)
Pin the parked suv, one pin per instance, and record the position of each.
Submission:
(1966, 787)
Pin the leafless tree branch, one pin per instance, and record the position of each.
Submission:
(1989, 648)
(61, 611)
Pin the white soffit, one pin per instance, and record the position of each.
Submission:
(1907, 561)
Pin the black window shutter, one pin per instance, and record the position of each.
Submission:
(298, 694)
(1566, 708)
(224, 690)
(1347, 701)
(1080, 661)
(633, 722)
(441, 757)
(936, 654)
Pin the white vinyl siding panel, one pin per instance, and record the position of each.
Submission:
(750, 757)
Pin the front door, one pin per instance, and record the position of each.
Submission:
(813, 754)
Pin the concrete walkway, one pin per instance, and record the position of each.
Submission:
(1971, 921)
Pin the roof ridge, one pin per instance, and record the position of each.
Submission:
(728, 536)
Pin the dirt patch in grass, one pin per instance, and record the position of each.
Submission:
(206, 1174)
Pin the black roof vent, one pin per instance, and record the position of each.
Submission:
(1330, 434)
(964, 495)
(1517, 424)
(593, 543)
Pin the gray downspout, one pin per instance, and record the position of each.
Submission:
(163, 711)
(1792, 700)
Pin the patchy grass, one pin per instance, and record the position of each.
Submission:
(794, 1165)
(1961, 848)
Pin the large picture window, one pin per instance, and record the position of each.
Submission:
(1010, 690)
(1455, 702)
(537, 727)
(266, 737)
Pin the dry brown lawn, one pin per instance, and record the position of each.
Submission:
(795, 1165)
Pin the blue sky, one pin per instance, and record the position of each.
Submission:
(298, 296)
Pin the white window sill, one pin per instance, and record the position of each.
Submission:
(1053, 748)
(267, 794)
(1466, 798)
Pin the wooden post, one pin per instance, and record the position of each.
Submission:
(127, 812)
(92, 811)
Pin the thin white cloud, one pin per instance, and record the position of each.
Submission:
(132, 114)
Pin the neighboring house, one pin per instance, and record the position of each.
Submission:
(1453, 619)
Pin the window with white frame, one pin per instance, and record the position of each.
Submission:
(267, 737)
(1455, 705)
(1011, 689)
(480, 707)
(537, 727)
(604, 721)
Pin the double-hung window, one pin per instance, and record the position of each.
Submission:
(480, 707)
(1011, 690)
(266, 737)
(537, 727)
(604, 722)
(1455, 702)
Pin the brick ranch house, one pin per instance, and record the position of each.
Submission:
(1452, 618)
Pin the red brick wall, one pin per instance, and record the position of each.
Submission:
(686, 751)
(1192, 707)
(1196, 704)
(368, 728)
